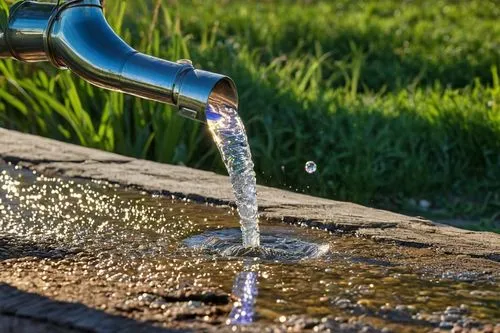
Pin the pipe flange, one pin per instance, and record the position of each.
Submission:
(12, 12)
(176, 89)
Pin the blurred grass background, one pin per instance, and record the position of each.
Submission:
(396, 101)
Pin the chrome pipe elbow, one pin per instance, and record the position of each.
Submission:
(76, 36)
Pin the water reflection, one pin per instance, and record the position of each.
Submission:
(245, 290)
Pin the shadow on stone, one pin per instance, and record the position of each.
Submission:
(12, 247)
(26, 312)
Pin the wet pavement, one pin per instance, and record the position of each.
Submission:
(126, 253)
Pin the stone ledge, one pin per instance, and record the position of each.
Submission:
(28, 312)
(57, 158)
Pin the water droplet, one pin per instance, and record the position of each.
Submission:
(311, 167)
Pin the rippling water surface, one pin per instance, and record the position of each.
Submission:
(130, 236)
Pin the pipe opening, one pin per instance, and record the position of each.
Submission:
(198, 86)
(224, 92)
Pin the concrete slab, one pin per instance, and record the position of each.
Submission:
(57, 158)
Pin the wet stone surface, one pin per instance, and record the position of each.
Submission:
(60, 159)
(121, 254)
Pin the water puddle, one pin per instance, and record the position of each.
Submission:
(154, 245)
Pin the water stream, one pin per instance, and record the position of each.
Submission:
(230, 137)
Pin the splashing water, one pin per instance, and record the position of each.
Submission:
(230, 137)
(275, 245)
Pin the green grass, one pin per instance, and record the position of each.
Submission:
(394, 100)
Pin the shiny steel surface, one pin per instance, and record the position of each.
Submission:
(28, 24)
(77, 36)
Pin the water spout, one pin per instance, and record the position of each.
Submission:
(76, 36)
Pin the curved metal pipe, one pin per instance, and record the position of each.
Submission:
(77, 36)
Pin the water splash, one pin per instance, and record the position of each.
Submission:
(230, 137)
(275, 245)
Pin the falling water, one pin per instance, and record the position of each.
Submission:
(229, 134)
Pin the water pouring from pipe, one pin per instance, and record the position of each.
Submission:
(76, 36)
(230, 137)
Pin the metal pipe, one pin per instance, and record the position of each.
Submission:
(76, 36)
(4, 50)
